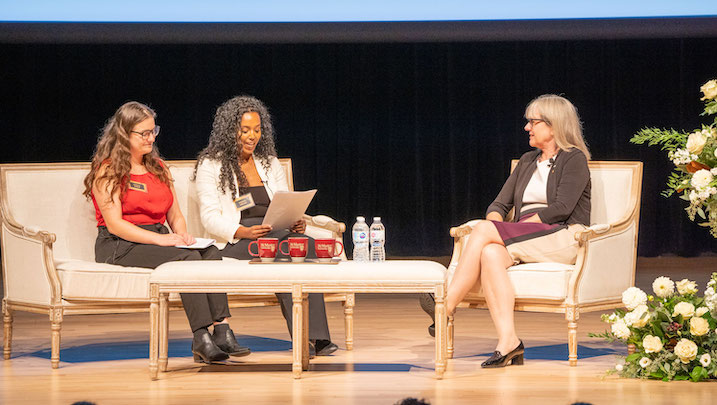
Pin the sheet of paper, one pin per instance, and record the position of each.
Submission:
(287, 207)
(200, 243)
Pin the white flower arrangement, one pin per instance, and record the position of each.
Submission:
(695, 158)
(674, 335)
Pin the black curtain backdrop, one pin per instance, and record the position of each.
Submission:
(421, 134)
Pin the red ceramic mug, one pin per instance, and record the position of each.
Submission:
(266, 248)
(326, 249)
(298, 245)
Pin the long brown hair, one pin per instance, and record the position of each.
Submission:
(113, 151)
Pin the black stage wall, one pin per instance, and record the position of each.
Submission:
(420, 134)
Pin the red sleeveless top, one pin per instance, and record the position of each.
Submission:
(146, 201)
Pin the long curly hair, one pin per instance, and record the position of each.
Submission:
(225, 145)
(113, 151)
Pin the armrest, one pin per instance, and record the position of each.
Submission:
(592, 231)
(29, 271)
(325, 222)
(463, 230)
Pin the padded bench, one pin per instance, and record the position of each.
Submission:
(299, 279)
(48, 232)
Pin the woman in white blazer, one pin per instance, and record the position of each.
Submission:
(239, 159)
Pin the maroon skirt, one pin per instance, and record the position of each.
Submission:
(514, 232)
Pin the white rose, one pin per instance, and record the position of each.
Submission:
(632, 297)
(701, 178)
(644, 362)
(696, 142)
(705, 360)
(685, 309)
(699, 326)
(652, 344)
(709, 132)
(620, 329)
(701, 311)
(686, 350)
(686, 286)
(663, 287)
(638, 317)
(709, 89)
(618, 367)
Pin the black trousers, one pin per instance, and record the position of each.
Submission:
(318, 325)
(202, 309)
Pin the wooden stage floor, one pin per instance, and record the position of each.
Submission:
(104, 359)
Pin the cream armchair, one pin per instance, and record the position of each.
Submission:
(48, 235)
(605, 265)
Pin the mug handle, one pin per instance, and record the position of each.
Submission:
(282, 244)
(340, 251)
(257, 248)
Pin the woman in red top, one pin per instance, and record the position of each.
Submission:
(133, 196)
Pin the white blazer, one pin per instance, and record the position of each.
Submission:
(219, 215)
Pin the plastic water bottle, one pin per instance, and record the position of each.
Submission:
(378, 240)
(360, 236)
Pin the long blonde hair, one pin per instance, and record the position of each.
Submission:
(113, 150)
(562, 116)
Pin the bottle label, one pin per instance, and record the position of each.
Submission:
(360, 236)
(378, 236)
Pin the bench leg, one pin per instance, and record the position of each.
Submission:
(571, 315)
(451, 335)
(441, 327)
(163, 331)
(305, 332)
(7, 329)
(153, 330)
(55, 326)
(297, 335)
(349, 320)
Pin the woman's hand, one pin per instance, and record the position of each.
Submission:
(299, 226)
(252, 232)
(169, 239)
(187, 238)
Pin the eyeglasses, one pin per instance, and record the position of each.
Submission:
(535, 121)
(145, 134)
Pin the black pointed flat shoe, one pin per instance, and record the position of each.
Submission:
(227, 342)
(515, 357)
(206, 351)
(428, 305)
(325, 347)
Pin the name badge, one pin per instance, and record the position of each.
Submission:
(137, 186)
(244, 202)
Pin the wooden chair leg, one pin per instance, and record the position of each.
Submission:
(572, 314)
(441, 349)
(163, 331)
(55, 327)
(153, 330)
(349, 320)
(7, 328)
(449, 349)
(305, 332)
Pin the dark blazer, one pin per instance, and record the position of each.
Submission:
(568, 189)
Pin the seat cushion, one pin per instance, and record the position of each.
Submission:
(539, 280)
(84, 280)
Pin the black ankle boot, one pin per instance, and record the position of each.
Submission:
(225, 340)
(515, 357)
(205, 350)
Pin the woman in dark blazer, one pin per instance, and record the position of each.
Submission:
(549, 191)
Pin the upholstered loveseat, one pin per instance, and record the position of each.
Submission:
(48, 233)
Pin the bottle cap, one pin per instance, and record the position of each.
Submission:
(360, 218)
(376, 218)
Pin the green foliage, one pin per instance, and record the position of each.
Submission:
(670, 139)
